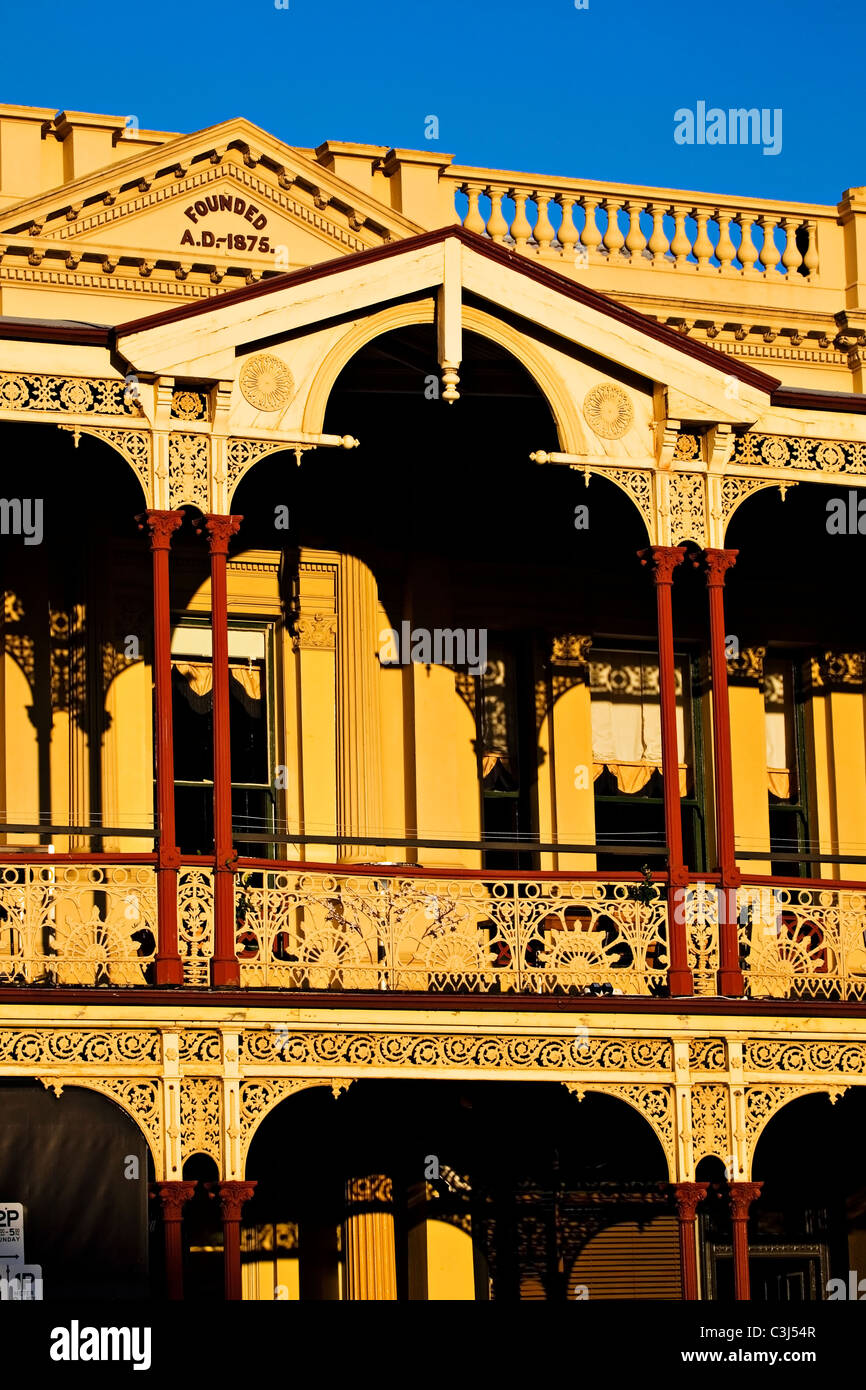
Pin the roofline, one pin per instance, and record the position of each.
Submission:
(838, 402)
(803, 397)
(82, 336)
(551, 279)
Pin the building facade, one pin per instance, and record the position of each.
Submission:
(434, 738)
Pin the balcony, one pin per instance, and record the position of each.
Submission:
(92, 921)
(580, 225)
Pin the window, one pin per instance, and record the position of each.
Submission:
(506, 751)
(192, 706)
(627, 758)
(783, 721)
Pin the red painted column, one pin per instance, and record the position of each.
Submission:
(224, 967)
(232, 1197)
(662, 561)
(741, 1195)
(168, 966)
(173, 1197)
(716, 564)
(687, 1195)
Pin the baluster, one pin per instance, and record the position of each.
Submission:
(521, 228)
(810, 258)
(590, 237)
(473, 221)
(635, 240)
(613, 238)
(497, 227)
(680, 244)
(703, 247)
(658, 242)
(725, 249)
(747, 252)
(791, 257)
(769, 256)
(543, 227)
(567, 234)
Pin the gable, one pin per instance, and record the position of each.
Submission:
(225, 209)
(231, 192)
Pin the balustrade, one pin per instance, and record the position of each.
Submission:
(803, 943)
(65, 923)
(93, 922)
(344, 931)
(643, 228)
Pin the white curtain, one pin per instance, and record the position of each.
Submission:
(198, 684)
(626, 722)
(777, 724)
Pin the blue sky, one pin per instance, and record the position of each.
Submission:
(540, 87)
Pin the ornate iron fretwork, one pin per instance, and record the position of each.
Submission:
(790, 451)
(62, 394)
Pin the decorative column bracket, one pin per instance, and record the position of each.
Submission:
(172, 1198)
(232, 1198)
(741, 1195)
(687, 1196)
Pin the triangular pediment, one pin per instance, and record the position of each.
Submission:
(232, 190)
(572, 338)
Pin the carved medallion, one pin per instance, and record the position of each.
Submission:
(608, 411)
(266, 382)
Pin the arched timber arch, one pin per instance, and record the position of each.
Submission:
(138, 1097)
(764, 1102)
(259, 1098)
(654, 1103)
(133, 445)
(568, 428)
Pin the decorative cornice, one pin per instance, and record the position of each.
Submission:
(791, 451)
(569, 649)
(838, 670)
(315, 632)
(747, 667)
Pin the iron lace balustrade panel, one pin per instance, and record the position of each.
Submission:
(86, 923)
(803, 942)
(369, 930)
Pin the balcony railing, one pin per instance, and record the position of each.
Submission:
(647, 228)
(85, 923)
(92, 920)
(490, 935)
(803, 942)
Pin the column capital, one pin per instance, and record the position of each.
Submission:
(741, 1195)
(662, 560)
(161, 526)
(687, 1196)
(173, 1197)
(715, 564)
(232, 1197)
(220, 530)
